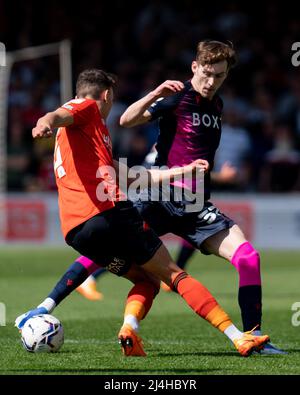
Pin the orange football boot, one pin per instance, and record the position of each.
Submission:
(249, 343)
(131, 343)
(88, 289)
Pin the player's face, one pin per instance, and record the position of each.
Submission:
(208, 78)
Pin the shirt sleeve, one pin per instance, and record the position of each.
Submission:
(83, 110)
(164, 105)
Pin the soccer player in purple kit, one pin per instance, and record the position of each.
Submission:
(189, 116)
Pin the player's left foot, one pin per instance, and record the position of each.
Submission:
(270, 349)
(88, 289)
(131, 343)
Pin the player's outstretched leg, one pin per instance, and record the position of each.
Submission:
(204, 304)
(73, 277)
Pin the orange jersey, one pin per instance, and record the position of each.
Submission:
(82, 151)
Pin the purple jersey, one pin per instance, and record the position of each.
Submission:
(190, 129)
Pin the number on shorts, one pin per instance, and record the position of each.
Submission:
(209, 214)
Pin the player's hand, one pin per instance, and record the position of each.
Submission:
(41, 130)
(228, 173)
(197, 165)
(168, 88)
(20, 321)
(200, 164)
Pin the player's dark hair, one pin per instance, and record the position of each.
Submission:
(93, 82)
(211, 51)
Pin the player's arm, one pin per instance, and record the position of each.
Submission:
(138, 114)
(151, 177)
(158, 176)
(50, 121)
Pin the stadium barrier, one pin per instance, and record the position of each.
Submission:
(269, 221)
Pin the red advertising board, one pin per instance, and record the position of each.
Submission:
(26, 220)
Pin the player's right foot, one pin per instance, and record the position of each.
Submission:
(131, 343)
(20, 321)
(88, 289)
(249, 343)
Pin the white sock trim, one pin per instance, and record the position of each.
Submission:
(233, 333)
(49, 304)
(132, 321)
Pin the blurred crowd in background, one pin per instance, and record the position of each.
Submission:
(145, 43)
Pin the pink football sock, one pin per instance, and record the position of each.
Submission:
(247, 262)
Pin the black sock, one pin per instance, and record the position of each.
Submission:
(251, 306)
(73, 277)
(184, 255)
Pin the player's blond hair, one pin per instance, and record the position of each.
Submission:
(211, 51)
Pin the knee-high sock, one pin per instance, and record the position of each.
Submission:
(201, 301)
(247, 262)
(139, 302)
(72, 278)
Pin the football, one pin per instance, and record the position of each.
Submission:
(42, 333)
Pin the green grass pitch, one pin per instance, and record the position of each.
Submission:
(177, 341)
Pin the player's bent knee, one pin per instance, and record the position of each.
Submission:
(247, 262)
